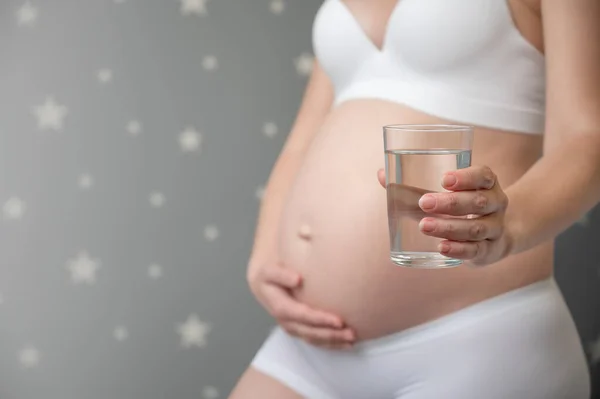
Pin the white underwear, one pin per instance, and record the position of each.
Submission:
(519, 345)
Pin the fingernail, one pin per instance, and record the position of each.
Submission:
(443, 248)
(427, 225)
(427, 202)
(449, 180)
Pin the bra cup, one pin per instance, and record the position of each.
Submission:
(448, 38)
(337, 44)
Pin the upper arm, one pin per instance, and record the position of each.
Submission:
(572, 47)
(316, 103)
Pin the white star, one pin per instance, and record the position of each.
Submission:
(277, 6)
(210, 392)
(270, 129)
(50, 115)
(83, 268)
(155, 271)
(104, 75)
(134, 127)
(210, 63)
(85, 181)
(29, 357)
(13, 208)
(193, 332)
(189, 7)
(27, 15)
(190, 140)
(304, 64)
(157, 199)
(211, 233)
(120, 333)
(259, 193)
(594, 349)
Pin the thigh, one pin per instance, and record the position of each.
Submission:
(255, 384)
(284, 367)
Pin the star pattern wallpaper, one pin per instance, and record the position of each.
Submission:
(136, 137)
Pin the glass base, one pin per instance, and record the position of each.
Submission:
(424, 260)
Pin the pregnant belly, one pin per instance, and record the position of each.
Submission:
(334, 227)
(334, 231)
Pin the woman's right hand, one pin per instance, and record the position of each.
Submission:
(271, 284)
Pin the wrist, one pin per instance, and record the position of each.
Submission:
(513, 233)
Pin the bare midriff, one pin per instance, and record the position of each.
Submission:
(334, 228)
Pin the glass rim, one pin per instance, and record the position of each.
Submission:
(431, 127)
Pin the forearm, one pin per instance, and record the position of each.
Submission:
(562, 186)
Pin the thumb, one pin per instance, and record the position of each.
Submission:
(281, 276)
(381, 177)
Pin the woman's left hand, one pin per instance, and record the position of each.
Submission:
(480, 236)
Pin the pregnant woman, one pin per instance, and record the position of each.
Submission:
(526, 75)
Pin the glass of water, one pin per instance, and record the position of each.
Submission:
(416, 157)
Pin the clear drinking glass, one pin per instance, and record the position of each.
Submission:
(416, 157)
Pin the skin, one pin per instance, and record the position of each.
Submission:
(519, 212)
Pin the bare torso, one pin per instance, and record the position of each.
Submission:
(334, 227)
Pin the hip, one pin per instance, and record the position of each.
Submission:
(520, 344)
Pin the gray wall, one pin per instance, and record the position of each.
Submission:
(135, 137)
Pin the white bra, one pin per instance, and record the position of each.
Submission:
(461, 60)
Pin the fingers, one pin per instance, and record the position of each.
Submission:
(286, 309)
(475, 252)
(327, 337)
(483, 228)
(480, 202)
(471, 178)
(291, 310)
(314, 326)
(281, 276)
